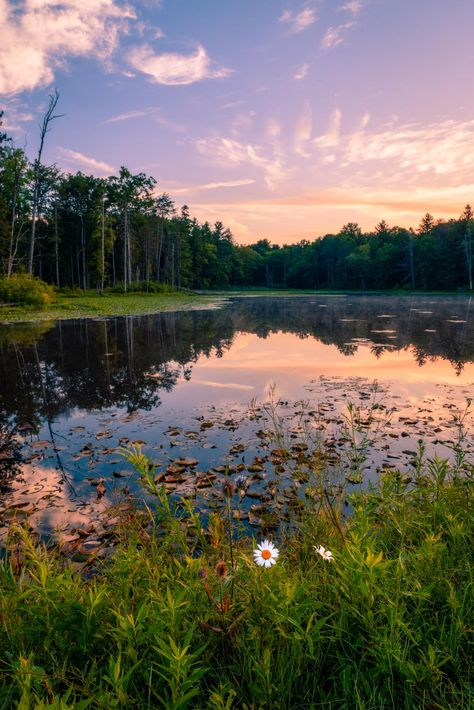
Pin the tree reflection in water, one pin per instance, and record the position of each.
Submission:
(48, 370)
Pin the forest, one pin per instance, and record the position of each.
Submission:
(87, 232)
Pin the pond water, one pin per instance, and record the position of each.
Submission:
(193, 386)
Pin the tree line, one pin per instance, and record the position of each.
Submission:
(81, 231)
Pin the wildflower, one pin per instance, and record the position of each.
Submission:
(325, 554)
(266, 554)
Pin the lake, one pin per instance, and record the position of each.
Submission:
(192, 387)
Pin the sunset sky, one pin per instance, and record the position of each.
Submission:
(282, 119)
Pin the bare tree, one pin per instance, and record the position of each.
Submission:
(47, 118)
(467, 218)
(102, 245)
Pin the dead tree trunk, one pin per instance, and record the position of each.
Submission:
(48, 117)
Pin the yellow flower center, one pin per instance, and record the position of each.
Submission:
(266, 554)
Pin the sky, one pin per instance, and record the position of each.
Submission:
(283, 119)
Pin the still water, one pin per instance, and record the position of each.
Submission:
(193, 385)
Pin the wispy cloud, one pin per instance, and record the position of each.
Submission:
(39, 36)
(396, 169)
(173, 69)
(299, 21)
(301, 72)
(79, 160)
(152, 111)
(129, 115)
(229, 153)
(331, 136)
(15, 115)
(335, 36)
(441, 149)
(232, 104)
(353, 6)
(303, 132)
(213, 186)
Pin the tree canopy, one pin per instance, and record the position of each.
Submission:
(119, 231)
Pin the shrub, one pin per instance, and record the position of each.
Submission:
(70, 291)
(23, 289)
(141, 287)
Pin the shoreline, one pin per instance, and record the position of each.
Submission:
(96, 306)
(93, 305)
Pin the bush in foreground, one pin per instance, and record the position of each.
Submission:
(25, 290)
(179, 619)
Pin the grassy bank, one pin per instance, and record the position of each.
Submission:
(89, 304)
(180, 617)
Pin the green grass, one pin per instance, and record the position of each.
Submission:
(90, 304)
(387, 624)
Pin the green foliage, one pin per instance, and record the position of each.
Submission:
(141, 287)
(80, 304)
(387, 624)
(26, 290)
(115, 232)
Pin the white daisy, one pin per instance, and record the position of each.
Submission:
(266, 554)
(325, 554)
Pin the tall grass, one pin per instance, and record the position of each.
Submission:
(181, 617)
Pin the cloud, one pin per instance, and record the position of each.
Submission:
(232, 104)
(230, 153)
(439, 149)
(303, 133)
(360, 172)
(130, 115)
(213, 186)
(38, 36)
(299, 21)
(172, 69)
(353, 6)
(16, 114)
(396, 170)
(301, 72)
(152, 111)
(85, 161)
(331, 137)
(336, 35)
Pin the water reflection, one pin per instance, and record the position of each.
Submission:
(180, 383)
(48, 371)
